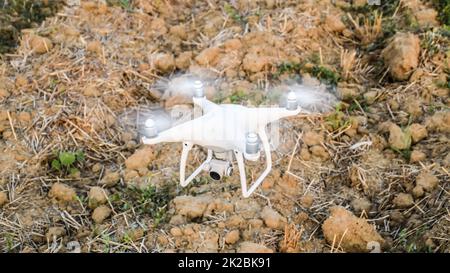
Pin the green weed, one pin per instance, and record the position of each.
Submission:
(66, 161)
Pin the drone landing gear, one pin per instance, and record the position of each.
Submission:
(241, 165)
(187, 146)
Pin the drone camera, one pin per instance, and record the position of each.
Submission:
(219, 169)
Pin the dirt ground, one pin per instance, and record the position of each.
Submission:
(370, 176)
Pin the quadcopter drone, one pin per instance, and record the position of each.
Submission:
(225, 130)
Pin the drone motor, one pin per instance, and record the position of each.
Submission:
(252, 147)
(291, 103)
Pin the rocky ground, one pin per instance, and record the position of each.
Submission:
(370, 176)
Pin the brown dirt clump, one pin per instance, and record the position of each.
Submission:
(3, 198)
(62, 192)
(100, 214)
(353, 234)
(140, 159)
(401, 56)
(97, 196)
(40, 45)
(249, 247)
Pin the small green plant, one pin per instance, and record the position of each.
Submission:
(9, 239)
(287, 67)
(66, 161)
(443, 7)
(233, 13)
(125, 4)
(357, 104)
(150, 200)
(238, 96)
(325, 74)
(337, 120)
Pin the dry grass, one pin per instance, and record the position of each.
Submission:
(368, 30)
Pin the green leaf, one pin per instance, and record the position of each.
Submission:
(67, 158)
(80, 156)
(74, 171)
(56, 164)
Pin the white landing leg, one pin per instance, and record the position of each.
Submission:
(187, 146)
(240, 161)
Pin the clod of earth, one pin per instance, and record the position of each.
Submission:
(40, 45)
(3, 198)
(273, 219)
(96, 197)
(140, 159)
(232, 237)
(312, 138)
(398, 139)
(417, 156)
(334, 23)
(62, 192)
(54, 233)
(439, 122)
(403, 200)
(250, 247)
(110, 179)
(418, 132)
(427, 181)
(361, 204)
(101, 213)
(190, 206)
(401, 55)
(343, 229)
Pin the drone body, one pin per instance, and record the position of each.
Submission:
(225, 130)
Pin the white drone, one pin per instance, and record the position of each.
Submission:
(224, 130)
